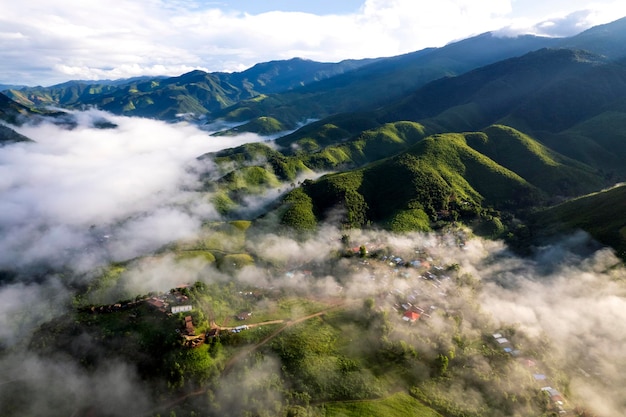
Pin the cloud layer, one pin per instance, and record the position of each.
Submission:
(45, 42)
(90, 195)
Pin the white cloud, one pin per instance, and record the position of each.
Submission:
(135, 183)
(46, 42)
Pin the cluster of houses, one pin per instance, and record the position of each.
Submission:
(406, 300)
(111, 308)
(557, 402)
(505, 344)
(171, 303)
(555, 398)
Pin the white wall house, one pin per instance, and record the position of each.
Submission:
(180, 309)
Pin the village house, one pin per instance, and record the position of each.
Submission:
(158, 304)
(181, 309)
(244, 315)
(411, 316)
(189, 329)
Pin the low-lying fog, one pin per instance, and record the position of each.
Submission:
(101, 194)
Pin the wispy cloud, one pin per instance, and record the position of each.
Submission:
(43, 42)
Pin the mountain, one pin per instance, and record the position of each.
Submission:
(484, 147)
(295, 90)
(606, 40)
(469, 131)
(12, 112)
(307, 89)
(382, 81)
(487, 94)
(4, 87)
(572, 101)
(285, 75)
(447, 175)
(8, 135)
(526, 121)
(196, 93)
(388, 79)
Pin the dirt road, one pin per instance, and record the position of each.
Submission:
(245, 352)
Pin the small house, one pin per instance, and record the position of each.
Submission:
(189, 329)
(244, 315)
(181, 308)
(411, 316)
(157, 303)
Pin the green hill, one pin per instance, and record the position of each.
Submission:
(598, 141)
(439, 173)
(445, 176)
(554, 173)
(13, 112)
(261, 125)
(368, 146)
(16, 114)
(601, 214)
(570, 101)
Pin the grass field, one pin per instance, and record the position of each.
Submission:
(399, 404)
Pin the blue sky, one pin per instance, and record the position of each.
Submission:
(43, 42)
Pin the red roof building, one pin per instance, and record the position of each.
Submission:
(411, 316)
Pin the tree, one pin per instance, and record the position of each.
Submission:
(441, 364)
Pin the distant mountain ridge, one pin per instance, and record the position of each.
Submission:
(301, 89)
(310, 89)
(197, 92)
(384, 80)
(605, 40)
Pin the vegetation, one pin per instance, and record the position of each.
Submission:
(600, 214)
(399, 404)
(506, 148)
(440, 175)
(261, 125)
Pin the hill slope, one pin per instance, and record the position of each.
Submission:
(571, 101)
(385, 80)
(451, 176)
(602, 215)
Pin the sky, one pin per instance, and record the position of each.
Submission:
(43, 42)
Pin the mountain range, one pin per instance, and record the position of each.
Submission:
(485, 131)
